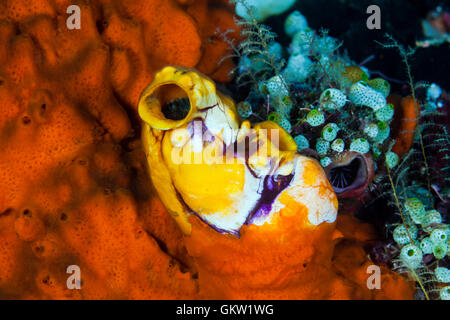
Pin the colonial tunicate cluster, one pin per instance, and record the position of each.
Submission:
(262, 9)
(423, 234)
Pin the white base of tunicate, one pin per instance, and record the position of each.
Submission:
(294, 23)
(363, 95)
(321, 207)
(433, 92)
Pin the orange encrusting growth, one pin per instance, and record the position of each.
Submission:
(289, 257)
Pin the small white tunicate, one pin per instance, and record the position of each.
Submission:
(434, 92)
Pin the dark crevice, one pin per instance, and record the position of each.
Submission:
(101, 26)
(26, 120)
(273, 186)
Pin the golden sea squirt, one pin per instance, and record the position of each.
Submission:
(223, 171)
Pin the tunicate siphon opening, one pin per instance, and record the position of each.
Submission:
(175, 104)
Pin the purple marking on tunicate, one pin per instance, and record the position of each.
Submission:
(273, 186)
(270, 185)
